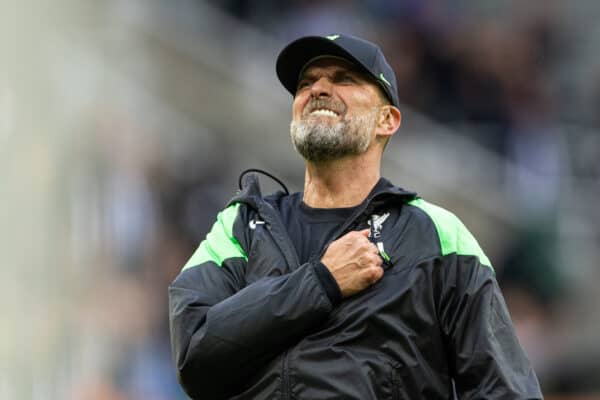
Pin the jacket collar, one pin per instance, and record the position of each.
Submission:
(385, 187)
(250, 192)
(383, 191)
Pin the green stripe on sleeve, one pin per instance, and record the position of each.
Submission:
(454, 236)
(220, 244)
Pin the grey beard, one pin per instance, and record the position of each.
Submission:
(319, 142)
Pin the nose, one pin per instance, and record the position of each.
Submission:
(322, 87)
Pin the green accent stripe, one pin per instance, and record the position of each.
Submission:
(220, 244)
(454, 236)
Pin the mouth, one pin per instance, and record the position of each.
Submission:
(330, 108)
(323, 112)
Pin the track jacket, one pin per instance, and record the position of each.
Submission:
(249, 322)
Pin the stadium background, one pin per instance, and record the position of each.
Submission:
(124, 125)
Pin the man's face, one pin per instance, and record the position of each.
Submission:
(335, 111)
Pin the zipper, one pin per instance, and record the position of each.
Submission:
(387, 261)
(285, 378)
(395, 385)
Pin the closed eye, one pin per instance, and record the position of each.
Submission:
(345, 77)
(304, 83)
(339, 77)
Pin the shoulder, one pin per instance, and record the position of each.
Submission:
(453, 235)
(222, 241)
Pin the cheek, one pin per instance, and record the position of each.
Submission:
(363, 99)
(298, 106)
(357, 99)
(366, 97)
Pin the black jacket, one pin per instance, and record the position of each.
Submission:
(249, 322)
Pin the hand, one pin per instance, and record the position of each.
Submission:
(354, 262)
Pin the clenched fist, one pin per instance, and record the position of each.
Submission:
(354, 262)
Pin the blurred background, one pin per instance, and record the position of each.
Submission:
(125, 123)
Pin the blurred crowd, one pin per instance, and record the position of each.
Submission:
(139, 204)
(495, 72)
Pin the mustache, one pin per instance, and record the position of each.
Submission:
(329, 104)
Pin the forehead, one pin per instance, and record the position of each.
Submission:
(331, 64)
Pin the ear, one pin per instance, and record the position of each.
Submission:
(388, 121)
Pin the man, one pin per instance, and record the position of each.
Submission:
(352, 289)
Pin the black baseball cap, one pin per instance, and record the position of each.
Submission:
(366, 55)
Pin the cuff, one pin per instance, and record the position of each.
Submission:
(328, 282)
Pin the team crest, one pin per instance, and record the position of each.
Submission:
(376, 223)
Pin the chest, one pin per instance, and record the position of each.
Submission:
(280, 245)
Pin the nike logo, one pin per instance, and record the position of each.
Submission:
(384, 80)
(252, 224)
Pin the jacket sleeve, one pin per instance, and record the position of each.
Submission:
(222, 330)
(486, 358)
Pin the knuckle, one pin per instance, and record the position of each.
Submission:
(371, 276)
(377, 273)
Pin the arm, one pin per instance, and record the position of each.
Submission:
(485, 356)
(223, 331)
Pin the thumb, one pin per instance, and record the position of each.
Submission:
(365, 232)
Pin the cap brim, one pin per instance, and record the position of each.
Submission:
(294, 57)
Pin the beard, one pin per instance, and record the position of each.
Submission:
(318, 141)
